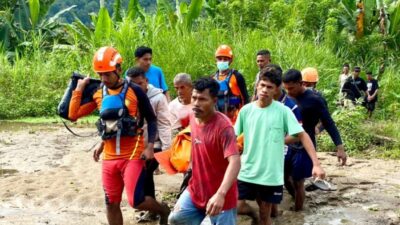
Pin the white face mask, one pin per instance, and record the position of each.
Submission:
(310, 88)
(222, 66)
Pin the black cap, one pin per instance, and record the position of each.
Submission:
(357, 69)
(369, 73)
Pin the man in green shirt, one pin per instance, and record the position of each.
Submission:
(264, 124)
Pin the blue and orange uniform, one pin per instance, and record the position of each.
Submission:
(126, 168)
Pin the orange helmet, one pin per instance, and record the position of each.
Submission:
(224, 50)
(310, 74)
(106, 59)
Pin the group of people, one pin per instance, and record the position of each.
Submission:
(242, 148)
(355, 90)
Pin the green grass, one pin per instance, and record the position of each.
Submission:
(39, 79)
(388, 137)
(32, 85)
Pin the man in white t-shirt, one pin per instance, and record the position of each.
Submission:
(181, 107)
(345, 74)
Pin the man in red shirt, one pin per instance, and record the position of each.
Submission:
(212, 189)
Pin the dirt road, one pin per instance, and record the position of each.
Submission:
(47, 176)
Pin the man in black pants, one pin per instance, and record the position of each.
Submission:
(371, 94)
(313, 110)
(159, 104)
(354, 87)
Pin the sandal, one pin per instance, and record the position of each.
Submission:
(146, 216)
(323, 185)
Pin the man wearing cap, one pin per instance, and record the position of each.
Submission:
(354, 87)
(232, 94)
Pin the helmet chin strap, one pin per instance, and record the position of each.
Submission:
(118, 83)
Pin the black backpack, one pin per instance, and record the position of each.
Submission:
(87, 96)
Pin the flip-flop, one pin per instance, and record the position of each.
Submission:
(310, 187)
(145, 216)
(323, 185)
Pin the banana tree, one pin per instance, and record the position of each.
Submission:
(363, 17)
(394, 24)
(184, 15)
(134, 10)
(26, 20)
(117, 17)
(103, 26)
(194, 11)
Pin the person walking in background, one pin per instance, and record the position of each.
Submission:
(263, 59)
(155, 75)
(181, 107)
(372, 93)
(310, 79)
(355, 87)
(344, 75)
(232, 94)
(163, 139)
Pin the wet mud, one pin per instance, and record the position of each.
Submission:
(48, 176)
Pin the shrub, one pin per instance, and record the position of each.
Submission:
(349, 123)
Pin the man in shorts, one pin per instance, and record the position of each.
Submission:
(124, 150)
(264, 124)
(313, 109)
(159, 104)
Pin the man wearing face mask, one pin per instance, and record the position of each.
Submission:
(232, 93)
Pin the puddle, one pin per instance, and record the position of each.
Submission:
(7, 172)
(6, 126)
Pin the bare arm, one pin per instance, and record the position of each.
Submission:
(291, 140)
(375, 93)
(216, 203)
(231, 174)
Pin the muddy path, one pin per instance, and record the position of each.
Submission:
(47, 176)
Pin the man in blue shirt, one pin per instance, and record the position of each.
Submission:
(156, 77)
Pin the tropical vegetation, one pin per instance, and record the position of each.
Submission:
(41, 46)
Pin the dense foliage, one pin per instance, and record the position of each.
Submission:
(40, 49)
